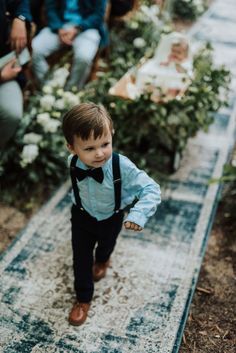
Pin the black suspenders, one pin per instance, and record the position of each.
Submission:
(74, 182)
(116, 181)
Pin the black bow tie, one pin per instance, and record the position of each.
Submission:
(95, 173)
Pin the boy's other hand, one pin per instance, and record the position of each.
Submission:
(132, 226)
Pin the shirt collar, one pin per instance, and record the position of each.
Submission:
(105, 167)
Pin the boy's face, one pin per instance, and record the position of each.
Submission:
(93, 153)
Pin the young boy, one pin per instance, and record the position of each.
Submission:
(104, 183)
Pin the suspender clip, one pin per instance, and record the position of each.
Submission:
(116, 181)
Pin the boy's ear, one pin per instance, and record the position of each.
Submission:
(70, 148)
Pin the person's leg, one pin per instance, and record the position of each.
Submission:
(44, 44)
(108, 233)
(85, 47)
(107, 237)
(11, 110)
(83, 243)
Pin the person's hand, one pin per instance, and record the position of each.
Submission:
(67, 35)
(10, 71)
(18, 35)
(132, 226)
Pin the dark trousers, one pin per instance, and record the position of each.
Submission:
(91, 240)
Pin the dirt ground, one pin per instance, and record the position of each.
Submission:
(211, 326)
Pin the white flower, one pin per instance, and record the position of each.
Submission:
(70, 99)
(43, 118)
(33, 111)
(47, 89)
(59, 77)
(28, 155)
(60, 92)
(48, 124)
(154, 9)
(134, 25)
(58, 82)
(150, 14)
(47, 102)
(51, 126)
(61, 72)
(144, 8)
(56, 114)
(32, 138)
(59, 104)
(139, 42)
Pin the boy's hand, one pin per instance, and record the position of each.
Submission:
(133, 226)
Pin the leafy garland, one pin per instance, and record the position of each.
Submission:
(150, 134)
(188, 9)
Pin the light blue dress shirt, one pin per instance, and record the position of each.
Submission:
(98, 199)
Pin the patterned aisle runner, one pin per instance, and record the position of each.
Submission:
(142, 304)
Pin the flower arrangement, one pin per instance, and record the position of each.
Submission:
(154, 134)
(149, 133)
(188, 9)
(38, 154)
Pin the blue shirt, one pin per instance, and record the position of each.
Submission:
(71, 14)
(91, 15)
(98, 199)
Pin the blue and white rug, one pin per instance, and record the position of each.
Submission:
(142, 304)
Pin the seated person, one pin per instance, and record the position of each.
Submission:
(72, 23)
(11, 99)
(178, 55)
(169, 72)
(36, 7)
(165, 76)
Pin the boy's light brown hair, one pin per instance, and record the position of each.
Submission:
(85, 119)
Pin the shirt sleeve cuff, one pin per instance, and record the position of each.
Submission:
(136, 218)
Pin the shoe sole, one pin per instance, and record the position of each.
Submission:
(76, 323)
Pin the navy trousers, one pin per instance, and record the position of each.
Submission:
(91, 240)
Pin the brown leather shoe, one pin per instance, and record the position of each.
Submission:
(100, 270)
(78, 313)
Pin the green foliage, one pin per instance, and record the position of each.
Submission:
(188, 9)
(229, 177)
(229, 173)
(150, 134)
(130, 41)
(37, 155)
